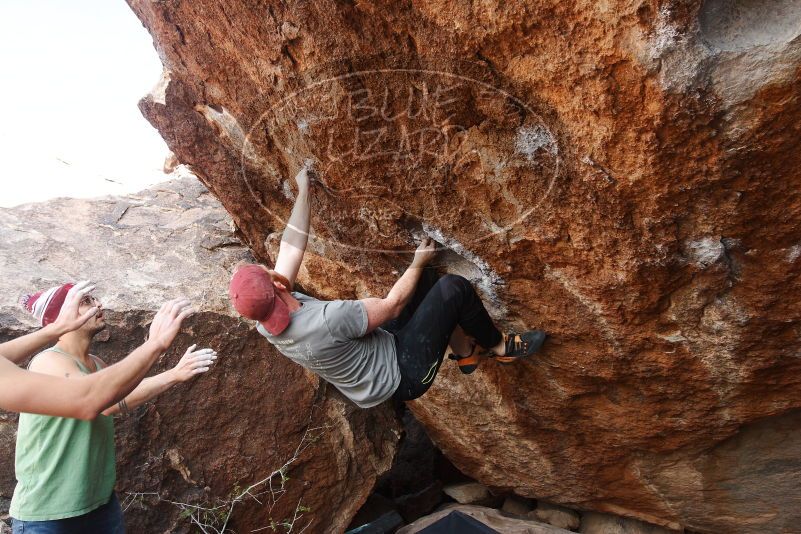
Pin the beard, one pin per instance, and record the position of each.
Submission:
(96, 329)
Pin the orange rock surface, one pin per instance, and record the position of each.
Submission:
(624, 174)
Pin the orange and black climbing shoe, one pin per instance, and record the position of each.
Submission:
(521, 345)
(468, 364)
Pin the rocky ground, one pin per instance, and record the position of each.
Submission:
(623, 173)
(423, 487)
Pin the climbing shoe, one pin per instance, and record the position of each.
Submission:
(467, 364)
(521, 345)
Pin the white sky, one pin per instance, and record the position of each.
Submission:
(71, 74)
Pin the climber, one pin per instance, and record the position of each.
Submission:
(65, 468)
(82, 397)
(374, 348)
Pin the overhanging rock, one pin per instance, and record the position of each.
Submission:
(623, 174)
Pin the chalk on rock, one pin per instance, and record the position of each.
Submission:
(557, 516)
(595, 523)
(289, 30)
(516, 505)
(467, 492)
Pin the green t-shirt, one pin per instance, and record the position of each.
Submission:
(64, 467)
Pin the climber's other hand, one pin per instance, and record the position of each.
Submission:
(303, 177)
(425, 252)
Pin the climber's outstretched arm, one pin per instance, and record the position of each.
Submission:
(379, 311)
(296, 234)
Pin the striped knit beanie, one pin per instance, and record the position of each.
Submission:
(46, 305)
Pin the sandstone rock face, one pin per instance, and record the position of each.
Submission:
(557, 515)
(205, 442)
(467, 492)
(594, 523)
(624, 174)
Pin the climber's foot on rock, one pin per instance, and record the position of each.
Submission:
(517, 346)
(468, 364)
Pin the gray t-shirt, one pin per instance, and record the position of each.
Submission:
(328, 338)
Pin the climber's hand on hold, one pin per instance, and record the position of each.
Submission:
(303, 178)
(425, 252)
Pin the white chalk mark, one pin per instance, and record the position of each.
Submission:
(532, 139)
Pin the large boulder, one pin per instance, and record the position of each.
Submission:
(624, 174)
(257, 441)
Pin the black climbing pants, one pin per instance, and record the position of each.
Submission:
(424, 328)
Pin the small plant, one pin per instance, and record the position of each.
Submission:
(214, 519)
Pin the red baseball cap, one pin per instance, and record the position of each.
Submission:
(253, 296)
